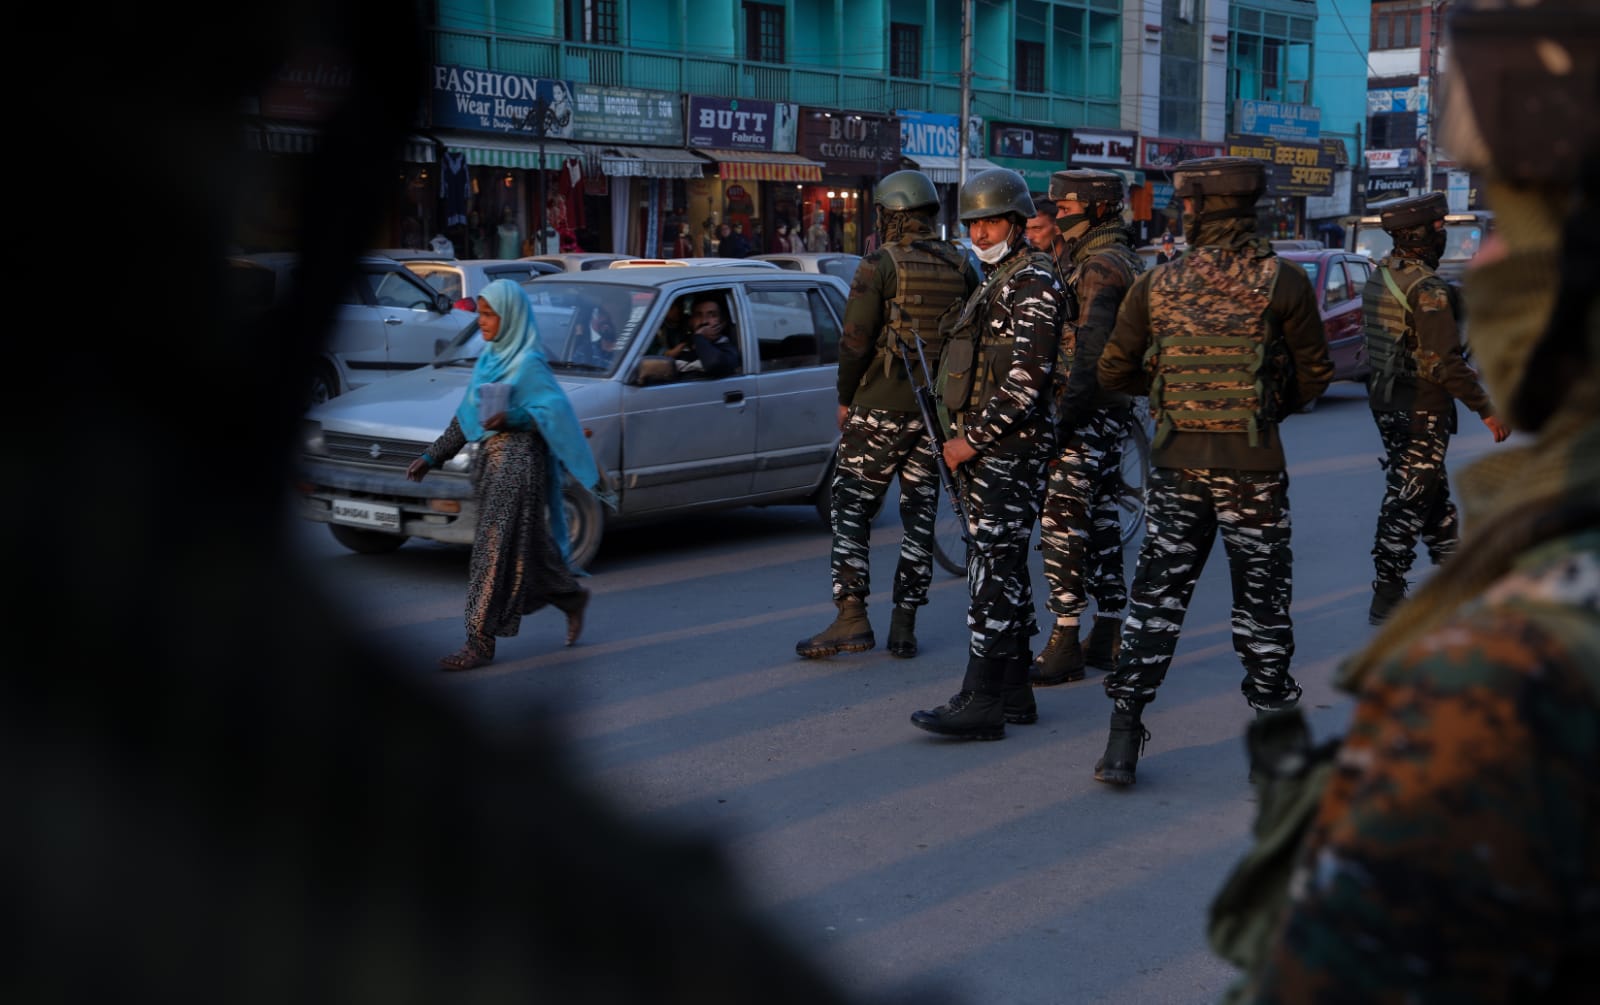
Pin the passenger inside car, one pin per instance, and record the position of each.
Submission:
(712, 349)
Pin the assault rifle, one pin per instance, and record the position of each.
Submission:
(930, 418)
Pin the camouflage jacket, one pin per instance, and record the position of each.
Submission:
(1443, 373)
(1020, 410)
(1100, 267)
(1455, 855)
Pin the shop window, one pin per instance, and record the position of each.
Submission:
(905, 50)
(592, 21)
(1030, 66)
(763, 26)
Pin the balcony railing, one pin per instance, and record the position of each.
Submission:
(611, 66)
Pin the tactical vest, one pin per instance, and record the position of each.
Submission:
(1126, 261)
(1389, 330)
(977, 358)
(1208, 351)
(929, 290)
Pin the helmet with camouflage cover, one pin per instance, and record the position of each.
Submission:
(994, 192)
(908, 190)
(1227, 176)
(1418, 211)
(1086, 186)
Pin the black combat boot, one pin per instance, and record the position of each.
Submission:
(1386, 596)
(976, 712)
(1121, 759)
(1062, 659)
(1104, 642)
(850, 632)
(903, 632)
(1016, 695)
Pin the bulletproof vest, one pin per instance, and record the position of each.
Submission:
(929, 290)
(1389, 331)
(977, 358)
(1209, 346)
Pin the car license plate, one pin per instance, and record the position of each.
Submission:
(365, 514)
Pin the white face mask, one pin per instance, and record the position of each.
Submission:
(993, 253)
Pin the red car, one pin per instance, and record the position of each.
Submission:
(1339, 277)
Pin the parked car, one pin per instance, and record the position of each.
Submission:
(714, 263)
(1338, 277)
(387, 320)
(831, 263)
(666, 446)
(462, 280)
(578, 261)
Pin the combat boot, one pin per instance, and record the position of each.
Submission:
(1386, 596)
(976, 712)
(1062, 659)
(1105, 641)
(850, 632)
(1020, 707)
(903, 632)
(1121, 759)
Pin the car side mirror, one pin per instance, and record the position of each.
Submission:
(442, 303)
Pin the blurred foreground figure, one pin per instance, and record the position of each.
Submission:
(1454, 854)
(215, 791)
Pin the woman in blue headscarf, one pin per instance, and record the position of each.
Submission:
(519, 563)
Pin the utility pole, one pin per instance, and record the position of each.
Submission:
(966, 82)
(538, 118)
(1433, 89)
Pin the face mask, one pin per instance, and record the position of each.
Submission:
(993, 253)
(1068, 224)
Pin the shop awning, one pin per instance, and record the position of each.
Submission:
(651, 162)
(507, 151)
(947, 170)
(1130, 177)
(298, 138)
(755, 165)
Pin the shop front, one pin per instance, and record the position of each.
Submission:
(758, 175)
(931, 143)
(836, 213)
(1035, 152)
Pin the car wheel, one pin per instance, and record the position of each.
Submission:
(586, 522)
(366, 542)
(324, 385)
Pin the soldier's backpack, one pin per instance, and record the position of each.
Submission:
(930, 289)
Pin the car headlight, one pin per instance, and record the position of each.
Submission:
(462, 461)
(311, 440)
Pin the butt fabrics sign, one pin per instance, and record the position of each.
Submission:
(743, 124)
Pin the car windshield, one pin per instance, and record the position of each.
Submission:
(1374, 242)
(1461, 240)
(585, 328)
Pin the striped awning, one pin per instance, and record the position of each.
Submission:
(299, 138)
(756, 165)
(947, 170)
(651, 162)
(508, 151)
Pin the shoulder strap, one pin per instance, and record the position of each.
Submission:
(1404, 296)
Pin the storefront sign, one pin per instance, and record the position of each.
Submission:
(743, 124)
(1292, 168)
(308, 88)
(849, 143)
(1280, 120)
(1388, 186)
(1035, 143)
(1390, 160)
(1102, 148)
(1162, 155)
(490, 101)
(929, 134)
(1382, 100)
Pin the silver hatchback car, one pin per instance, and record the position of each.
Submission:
(765, 434)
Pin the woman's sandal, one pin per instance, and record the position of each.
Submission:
(466, 659)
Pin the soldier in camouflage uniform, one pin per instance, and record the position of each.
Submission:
(995, 380)
(900, 295)
(1227, 341)
(1080, 529)
(1418, 372)
(1455, 854)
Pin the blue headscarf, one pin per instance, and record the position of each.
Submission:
(517, 358)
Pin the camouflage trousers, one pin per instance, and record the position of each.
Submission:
(1080, 528)
(1002, 493)
(876, 446)
(1416, 493)
(1186, 510)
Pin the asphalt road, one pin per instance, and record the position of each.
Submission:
(994, 872)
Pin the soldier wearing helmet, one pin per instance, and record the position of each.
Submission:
(1080, 530)
(1454, 854)
(995, 380)
(900, 294)
(1226, 341)
(1419, 370)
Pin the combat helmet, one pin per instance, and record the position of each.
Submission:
(906, 190)
(1226, 176)
(1086, 186)
(994, 192)
(1417, 211)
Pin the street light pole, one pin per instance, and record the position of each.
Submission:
(1433, 71)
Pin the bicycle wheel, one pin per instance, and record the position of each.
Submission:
(949, 544)
(1135, 471)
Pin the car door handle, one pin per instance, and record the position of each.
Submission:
(732, 397)
(391, 321)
